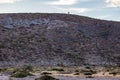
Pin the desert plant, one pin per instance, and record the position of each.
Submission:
(76, 73)
(76, 70)
(3, 69)
(113, 73)
(87, 73)
(46, 73)
(15, 70)
(58, 69)
(21, 74)
(87, 67)
(46, 77)
(89, 76)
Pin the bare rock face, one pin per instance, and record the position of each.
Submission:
(58, 40)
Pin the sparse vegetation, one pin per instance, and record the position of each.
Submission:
(58, 40)
(58, 69)
(89, 76)
(76, 70)
(46, 73)
(113, 73)
(76, 73)
(88, 72)
(3, 69)
(69, 71)
(21, 74)
(46, 77)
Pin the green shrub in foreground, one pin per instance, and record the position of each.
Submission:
(46, 73)
(113, 73)
(21, 74)
(3, 69)
(89, 76)
(76, 73)
(46, 77)
(58, 69)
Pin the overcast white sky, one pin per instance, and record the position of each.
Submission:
(103, 9)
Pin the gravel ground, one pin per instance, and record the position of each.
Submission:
(60, 78)
(73, 78)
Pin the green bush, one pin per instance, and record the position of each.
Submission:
(46, 77)
(21, 74)
(89, 76)
(3, 69)
(87, 73)
(76, 73)
(58, 69)
(113, 73)
(87, 67)
(16, 70)
(76, 70)
(46, 73)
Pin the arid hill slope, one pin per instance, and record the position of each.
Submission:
(58, 40)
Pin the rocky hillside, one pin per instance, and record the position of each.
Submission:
(58, 40)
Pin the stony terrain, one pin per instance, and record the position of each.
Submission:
(60, 78)
(58, 40)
